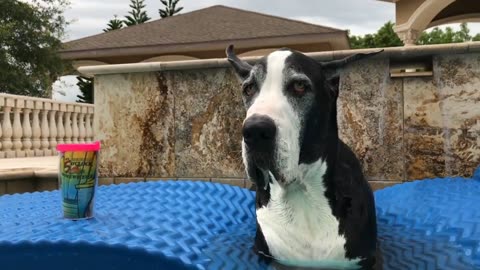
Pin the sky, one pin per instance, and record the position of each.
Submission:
(361, 17)
(89, 17)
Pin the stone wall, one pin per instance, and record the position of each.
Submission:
(413, 128)
(185, 123)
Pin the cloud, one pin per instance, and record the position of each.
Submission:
(91, 16)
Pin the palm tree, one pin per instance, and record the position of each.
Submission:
(137, 14)
(170, 8)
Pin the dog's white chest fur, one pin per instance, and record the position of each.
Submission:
(298, 223)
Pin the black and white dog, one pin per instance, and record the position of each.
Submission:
(313, 203)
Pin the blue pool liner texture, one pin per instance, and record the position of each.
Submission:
(428, 224)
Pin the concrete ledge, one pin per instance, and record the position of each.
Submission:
(392, 52)
(21, 168)
(41, 173)
(15, 174)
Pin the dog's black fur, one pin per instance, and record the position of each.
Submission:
(349, 195)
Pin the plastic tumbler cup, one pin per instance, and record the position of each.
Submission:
(78, 178)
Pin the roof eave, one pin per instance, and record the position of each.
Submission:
(338, 40)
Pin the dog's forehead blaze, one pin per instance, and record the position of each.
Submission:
(271, 95)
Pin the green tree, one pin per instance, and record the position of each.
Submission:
(137, 15)
(385, 37)
(170, 8)
(86, 87)
(114, 24)
(30, 37)
(439, 36)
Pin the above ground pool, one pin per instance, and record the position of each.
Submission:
(428, 224)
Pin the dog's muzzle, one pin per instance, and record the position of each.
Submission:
(259, 135)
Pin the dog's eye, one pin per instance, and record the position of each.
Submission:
(299, 87)
(249, 90)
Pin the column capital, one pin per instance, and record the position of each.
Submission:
(409, 36)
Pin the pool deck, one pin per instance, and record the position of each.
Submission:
(22, 168)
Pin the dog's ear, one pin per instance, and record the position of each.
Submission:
(331, 69)
(336, 64)
(242, 68)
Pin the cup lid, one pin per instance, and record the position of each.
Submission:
(95, 146)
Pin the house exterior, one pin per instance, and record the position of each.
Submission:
(203, 34)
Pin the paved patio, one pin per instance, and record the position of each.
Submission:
(22, 168)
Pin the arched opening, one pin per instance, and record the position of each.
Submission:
(419, 20)
(413, 20)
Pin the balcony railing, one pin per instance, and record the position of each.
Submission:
(32, 127)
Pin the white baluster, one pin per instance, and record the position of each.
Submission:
(17, 130)
(27, 133)
(45, 129)
(7, 129)
(75, 131)
(81, 122)
(60, 128)
(68, 125)
(37, 132)
(88, 123)
(53, 129)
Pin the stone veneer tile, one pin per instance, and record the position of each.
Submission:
(370, 115)
(423, 135)
(442, 119)
(424, 153)
(3, 187)
(206, 179)
(105, 181)
(134, 120)
(208, 119)
(232, 182)
(46, 184)
(458, 80)
(120, 180)
(377, 185)
(464, 155)
(155, 179)
(20, 186)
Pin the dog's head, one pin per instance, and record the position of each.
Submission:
(291, 111)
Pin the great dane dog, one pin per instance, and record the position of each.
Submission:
(313, 204)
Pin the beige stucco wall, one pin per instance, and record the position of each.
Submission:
(186, 123)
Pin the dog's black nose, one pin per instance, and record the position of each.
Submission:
(259, 132)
